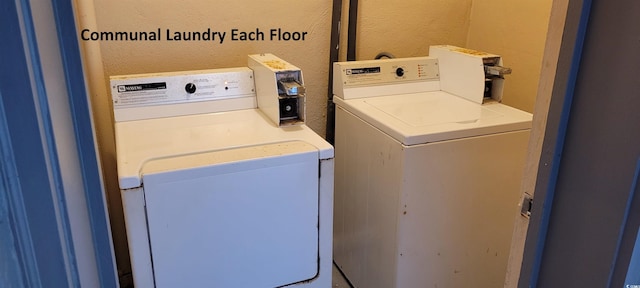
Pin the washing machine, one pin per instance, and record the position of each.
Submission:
(428, 170)
(216, 191)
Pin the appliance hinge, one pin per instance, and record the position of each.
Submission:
(527, 204)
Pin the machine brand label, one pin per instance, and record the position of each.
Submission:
(366, 70)
(142, 87)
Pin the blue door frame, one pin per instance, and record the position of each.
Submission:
(33, 203)
(541, 217)
(32, 199)
(583, 235)
(81, 113)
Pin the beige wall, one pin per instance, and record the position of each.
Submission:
(408, 28)
(515, 30)
(310, 55)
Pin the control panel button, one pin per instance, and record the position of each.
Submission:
(190, 88)
(400, 72)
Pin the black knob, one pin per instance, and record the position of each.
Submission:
(190, 88)
(400, 72)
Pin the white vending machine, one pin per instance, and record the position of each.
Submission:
(428, 170)
(216, 191)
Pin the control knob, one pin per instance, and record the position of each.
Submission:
(400, 72)
(190, 88)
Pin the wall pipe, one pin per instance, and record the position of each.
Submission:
(334, 52)
(351, 37)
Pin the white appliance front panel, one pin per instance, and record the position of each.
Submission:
(430, 215)
(246, 223)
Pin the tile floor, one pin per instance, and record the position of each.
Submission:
(338, 279)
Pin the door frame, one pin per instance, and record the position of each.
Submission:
(545, 146)
(561, 67)
(32, 167)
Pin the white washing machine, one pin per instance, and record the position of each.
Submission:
(428, 170)
(215, 193)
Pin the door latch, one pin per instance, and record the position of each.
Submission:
(527, 204)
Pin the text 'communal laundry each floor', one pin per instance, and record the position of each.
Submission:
(257, 34)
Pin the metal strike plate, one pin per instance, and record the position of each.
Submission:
(527, 205)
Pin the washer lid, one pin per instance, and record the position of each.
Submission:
(425, 117)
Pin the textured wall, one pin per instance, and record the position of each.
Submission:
(515, 30)
(408, 28)
(310, 55)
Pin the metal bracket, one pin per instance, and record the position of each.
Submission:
(527, 204)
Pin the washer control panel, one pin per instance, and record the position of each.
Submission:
(386, 71)
(181, 87)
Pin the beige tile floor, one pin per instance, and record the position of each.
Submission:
(338, 279)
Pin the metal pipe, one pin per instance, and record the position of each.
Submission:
(334, 52)
(353, 25)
